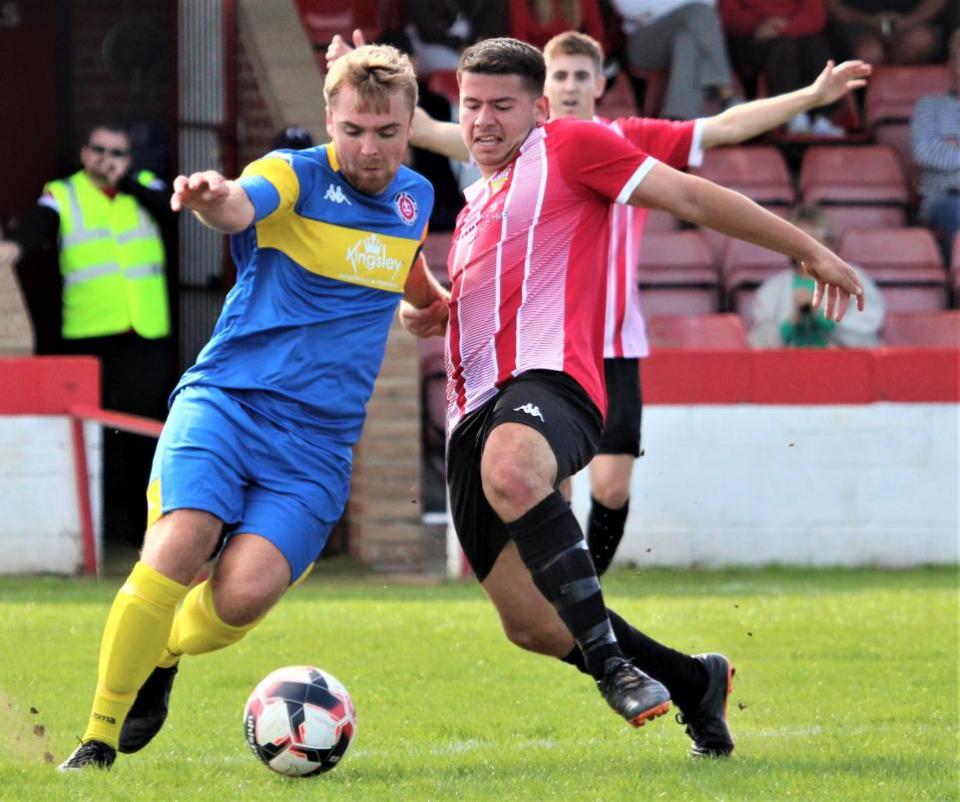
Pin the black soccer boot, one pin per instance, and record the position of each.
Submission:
(707, 723)
(634, 695)
(149, 710)
(91, 753)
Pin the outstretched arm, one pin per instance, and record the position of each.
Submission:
(705, 203)
(215, 201)
(739, 123)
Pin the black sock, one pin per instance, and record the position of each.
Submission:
(551, 545)
(604, 532)
(685, 678)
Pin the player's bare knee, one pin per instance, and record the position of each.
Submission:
(613, 495)
(531, 637)
(180, 542)
(512, 487)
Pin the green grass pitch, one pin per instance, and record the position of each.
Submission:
(846, 689)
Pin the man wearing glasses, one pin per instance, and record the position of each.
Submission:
(104, 221)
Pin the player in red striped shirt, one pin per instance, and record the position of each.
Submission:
(525, 367)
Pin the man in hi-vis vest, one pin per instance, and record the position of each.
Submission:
(105, 223)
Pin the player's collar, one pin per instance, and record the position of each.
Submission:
(332, 158)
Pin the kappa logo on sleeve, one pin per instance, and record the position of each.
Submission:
(530, 409)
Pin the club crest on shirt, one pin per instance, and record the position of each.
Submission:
(406, 208)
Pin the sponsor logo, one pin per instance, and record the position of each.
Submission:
(370, 253)
(406, 208)
(335, 195)
(530, 409)
(108, 719)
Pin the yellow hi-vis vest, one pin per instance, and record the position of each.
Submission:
(111, 261)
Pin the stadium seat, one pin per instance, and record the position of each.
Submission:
(659, 220)
(868, 174)
(677, 274)
(444, 82)
(905, 262)
(867, 182)
(618, 100)
(745, 267)
(893, 90)
(757, 171)
(935, 329)
(723, 332)
(323, 19)
(655, 87)
(436, 248)
(897, 136)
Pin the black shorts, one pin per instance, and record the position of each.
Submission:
(621, 430)
(548, 401)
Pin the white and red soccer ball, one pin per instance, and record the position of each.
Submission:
(299, 721)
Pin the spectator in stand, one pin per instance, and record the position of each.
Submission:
(887, 31)
(687, 39)
(105, 220)
(293, 137)
(538, 21)
(936, 150)
(783, 314)
(439, 31)
(784, 41)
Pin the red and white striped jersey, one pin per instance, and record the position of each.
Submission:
(676, 144)
(527, 263)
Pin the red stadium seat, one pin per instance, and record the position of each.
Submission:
(893, 90)
(905, 262)
(757, 171)
(323, 19)
(677, 274)
(745, 267)
(619, 100)
(709, 332)
(659, 220)
(897, 136)
(843, 216)
(869, 174)
(444, 82)
(436, 248)
(935, 329)
(655, 83)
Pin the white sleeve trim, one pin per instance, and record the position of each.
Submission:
(50, 202)
(695, 159)
(634, 181)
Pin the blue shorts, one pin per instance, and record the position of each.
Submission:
(222, 457)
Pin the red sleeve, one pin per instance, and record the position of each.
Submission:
(666, 140)
(809, 17)
(739, 18)
(594, 159)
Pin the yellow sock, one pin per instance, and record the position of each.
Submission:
(136, 630)
(197, 629)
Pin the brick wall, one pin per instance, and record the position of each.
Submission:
(384, 510)
(256, 125)
(122, 66)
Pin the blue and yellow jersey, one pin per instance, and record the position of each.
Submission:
(319, 275)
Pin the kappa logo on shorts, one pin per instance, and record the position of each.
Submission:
(335, 194)
(530, 409)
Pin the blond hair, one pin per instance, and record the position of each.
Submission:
(574, 43)
(375, 72)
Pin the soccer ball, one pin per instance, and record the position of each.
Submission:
(299, 721)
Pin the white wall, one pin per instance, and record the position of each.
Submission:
(873, 484)
(39, 519)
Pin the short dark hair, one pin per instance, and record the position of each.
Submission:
(505, 56)
(114, 126)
